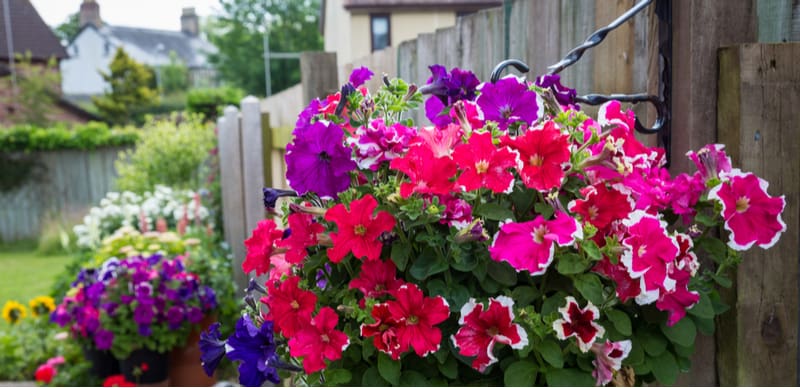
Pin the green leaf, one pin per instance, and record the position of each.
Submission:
(464, 262)
(620, 320)
(426, 265)
(571, 264)
(411, 378)
(495, 211)
(714, 247)
(520, 374)
(683, 351)
(337, 376)
(653, 342)
(665, 368)
(389, 369)
(551, 352)
(704, 219)
(400, 255)
(704, 325)
(592, 250)
(450, 368)
(372, 378)
(643, 368)
(703, 308)
(544, 209)
(723, 281)
(524, 295)
(569, 378)
(502, 273)
(590, 287)
(682, 332)
(636, 356)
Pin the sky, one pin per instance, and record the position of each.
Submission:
(158, 14)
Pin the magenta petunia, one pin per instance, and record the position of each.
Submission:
(360, 75)
(261, 246)
(482, 329)
(579, 323)
(751, 215)
(649, 250)
(711, 161)
(509, 101)
(417, 317)
(377, 142)
(483, 164)
(531, 245)
(319, 341)
(608, 359)
(318, 161)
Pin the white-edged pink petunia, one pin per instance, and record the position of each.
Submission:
(579, 323)
(649, 249)
(711, 160)
(608, 359)
(482, 329)
(750, 214)
(531, 245)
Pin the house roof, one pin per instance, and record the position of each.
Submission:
(192, 50)
(461, 5)
(29, 33)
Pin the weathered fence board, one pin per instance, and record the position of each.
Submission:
(231, 180)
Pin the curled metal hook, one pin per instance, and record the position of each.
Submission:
(516, 63)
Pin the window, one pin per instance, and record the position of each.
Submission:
(380, 31)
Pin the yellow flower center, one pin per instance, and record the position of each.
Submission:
(360, 230)
(325, 338)
(538, 234)
(295, 305)
(493, 331)
(481, 166)
(592, 212)
(742, 204)
(412, 320)
(536, 160)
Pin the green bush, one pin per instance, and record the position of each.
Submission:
(168, 153)
(210, 102)
(82, 137)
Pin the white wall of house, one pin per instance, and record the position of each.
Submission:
(89, 54)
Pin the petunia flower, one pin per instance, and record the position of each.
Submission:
(428, 174)
(319, 341)
(289, 306)
(684, 193)
(271, 196)
(376, 278)
(579, 323)
(482, 329)
(625, 286)
(711, 161)
(358, 229)
(117, 381)
(544, 153)
(679, 299)
(650, 249)
(485, 165)
(531, 245)
(318, 161)
(254, 347)
(509, 101)
(601, 206)
(564, 95)
(45, 373)
(608, 359)
(360, 75)
(212, 349)
(417, 316)
(303, 235)
(260, 247)
(383, 331)
(440, 141)
(377, 142)
(751, 215)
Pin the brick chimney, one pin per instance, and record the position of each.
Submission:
(190, 24)
(90, 13)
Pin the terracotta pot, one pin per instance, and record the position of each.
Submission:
(156, 372)
(185, 369)
(104, 364)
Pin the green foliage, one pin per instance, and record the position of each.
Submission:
(174, 77)
(238, 34)
(167, 153)
(37, 91)
(211, 101)
(82, 137)
(131, 89)
(68, 30)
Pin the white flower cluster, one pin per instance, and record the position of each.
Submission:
(139, 212)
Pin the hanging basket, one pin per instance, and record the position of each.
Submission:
(144, 366)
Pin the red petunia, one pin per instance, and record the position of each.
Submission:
(319, 341)
(358, 229)
(428, 174)
(544, 153)
(383, 331)
(601, 206)
(289, 306)
(626, 287)
(303, 235)
(485, 165)
(579, 323)
(417, 316)
(260, 247)
(377, 278)
(481, 330)
(117, 381)
(45, 373)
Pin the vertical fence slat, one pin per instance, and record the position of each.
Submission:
(252, 163)
(233, 200)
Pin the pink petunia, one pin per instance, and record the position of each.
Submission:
(485, 165)
(440, 141)
(679, 299)
(608, 359)
(378, 142)
(626, 287)
(417, 317)
(428, 174)
(377, 278)
(711, 160)
(304, 234)
(531, 245)
(482, 329)
(544, 153)
(649, 249)
(260, 247)
(751, 215)
(359, 229)
(579, 323)
(319, 341)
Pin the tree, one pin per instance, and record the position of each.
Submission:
(174, 76)
(68, 30)
(239, 31)
(130, 89)
(37, 91)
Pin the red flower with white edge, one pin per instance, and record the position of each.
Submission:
(485, 165)
(303, 235)
(649, 250)
(601, 206)
(626, 287)
(384, 331)
(359, 229)
(260, 246)
(531, 245)
(687, 259)
(428, 174)
(544, 153)
(417, 316)
(377, 278)
(290, 307)
(608, 359)
(319, 341)
(750, 214)
(579, 323)
(678, 300)
(482, 329)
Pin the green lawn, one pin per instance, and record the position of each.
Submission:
(26, 275)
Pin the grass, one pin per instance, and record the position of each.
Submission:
(26, 274)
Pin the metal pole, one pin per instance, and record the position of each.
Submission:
(267, 76)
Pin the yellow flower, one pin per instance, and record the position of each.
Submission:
(13, 311)
(42, 305)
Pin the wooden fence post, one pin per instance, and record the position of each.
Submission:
(319, 74)
(759, 92)
(252, 163)
(230, 160)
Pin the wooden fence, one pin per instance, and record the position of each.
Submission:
(65, 185)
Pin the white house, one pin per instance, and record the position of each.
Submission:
(93, 49)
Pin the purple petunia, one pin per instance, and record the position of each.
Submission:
(360, 75)
(318, 161)
(175, 317)
(194, 314)
(143, 313)
(563, 94)
(271, 196)
(255, 348)
(445, 90)
(509, 100)
(103, 339)
(212, 349)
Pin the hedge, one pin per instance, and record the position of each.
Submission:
(80, 137)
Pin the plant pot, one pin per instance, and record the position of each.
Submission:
(155, 372)
(185, 369)
(104, 364)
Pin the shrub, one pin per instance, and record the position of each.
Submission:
(210, 102)
(82, 137)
